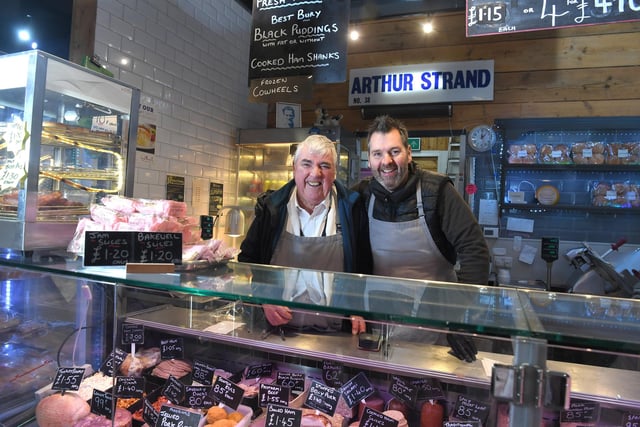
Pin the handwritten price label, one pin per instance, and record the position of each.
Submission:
(68, 379)
(282, 416)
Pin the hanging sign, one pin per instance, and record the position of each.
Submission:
(496, 17)
(422, 83)
(298, 38)
(274, 89)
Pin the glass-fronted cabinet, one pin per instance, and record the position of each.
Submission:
(557, 357)
(65, 133)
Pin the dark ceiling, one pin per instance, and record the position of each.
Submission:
(366, 10)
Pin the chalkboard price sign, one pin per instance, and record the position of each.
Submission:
(176, 416)
(428, 389)
(68, 379)
(121, 247)
(113, 362)
(132, 333)
(149, 413)
(129, 386)
(171, 348)
(332, 373)
(282, 416)
(294, 38)
(257, 371)
(203, 372)
(580, 412)
(357, 389)
(322, 398)
(102, 403)
(496, 17)
(197, 396)
(173, 390)
(293, 380)
(403, 390)
(373, 418)
(227, 392)
(273, 394)
(471, 410)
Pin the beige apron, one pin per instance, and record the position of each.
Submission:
(323, 253)
(405, 250)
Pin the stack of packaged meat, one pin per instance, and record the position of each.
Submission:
(118, 213)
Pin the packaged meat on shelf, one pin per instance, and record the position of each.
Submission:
(118, 213)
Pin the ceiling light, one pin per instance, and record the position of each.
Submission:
(24, 35)
(354, 35)
(427, 27)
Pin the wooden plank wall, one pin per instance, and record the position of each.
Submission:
(583, 71)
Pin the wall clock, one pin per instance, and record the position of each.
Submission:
(482, 137)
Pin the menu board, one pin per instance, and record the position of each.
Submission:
(497, 17)
(122, 247)
(298, 37)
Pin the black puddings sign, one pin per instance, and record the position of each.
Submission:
(300, 37)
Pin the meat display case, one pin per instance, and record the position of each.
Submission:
(594, 341)
(66, 133)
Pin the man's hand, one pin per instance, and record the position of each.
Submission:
(358, 325)
(462, 347)
(277, 315)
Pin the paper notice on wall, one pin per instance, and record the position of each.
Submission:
(520, 224)
(488, 212)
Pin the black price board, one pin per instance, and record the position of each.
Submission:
(197, 396)
(67, 379)
(175, 188)
(323, 398)
(149, 413)
(113, 362)
(461, 424)
(132, 333)
(293, 380)
(103, 248)
(550, 246)
(356, 389)
(273, 394)
(203, 372)
(631, 420)
(102, 403)
(176, 416)
(471, 410)
(171, 348)
(283, 416)
(215, 197)
(580, 412)
(293, 38)
(173, 389)
(373, 418)
(258, 371)
(332, 373)
(227, 392)
(403, 390)
(129, 387)
(486, 17)
(428, 389)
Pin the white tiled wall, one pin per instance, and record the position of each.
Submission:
(190, 59)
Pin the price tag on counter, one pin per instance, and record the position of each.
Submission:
(227, 392)
(428, 389)
(203, 372)
(323, 398)
(357, 389)
(129, 387)
(273, 394)
(373, 418)
(149, 413)
(258, 371)
(113, 362)
(68, 379)
(197, 397)
(132, 333)
(332, 373)
(293, 380)
(177, 416)
(171, 348)
(471, 410)
(580, 412)
(173, 390)
(631, 419)
(283, 416)
(102, 403)
(403, 390)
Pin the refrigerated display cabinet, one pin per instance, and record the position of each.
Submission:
(67, 137)
(590, 344)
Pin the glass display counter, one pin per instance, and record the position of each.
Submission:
(217, 312)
